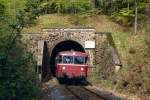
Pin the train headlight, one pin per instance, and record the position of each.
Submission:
(82, 69)
(63, 68)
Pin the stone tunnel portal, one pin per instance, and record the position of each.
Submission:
(64, 46)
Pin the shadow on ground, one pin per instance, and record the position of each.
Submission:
(73, 81)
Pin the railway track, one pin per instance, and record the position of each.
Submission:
(82, 93)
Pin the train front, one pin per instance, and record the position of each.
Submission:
(71, 64)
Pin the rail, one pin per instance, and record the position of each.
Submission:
(82, 93)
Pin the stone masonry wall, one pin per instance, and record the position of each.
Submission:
(104, 58)
(100, 57)
(54, 36)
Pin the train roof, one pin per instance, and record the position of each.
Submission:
(73, 53)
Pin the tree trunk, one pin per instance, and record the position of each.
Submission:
(93, 3)
(128, 6)
(135, 23)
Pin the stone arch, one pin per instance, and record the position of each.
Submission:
(64, 45)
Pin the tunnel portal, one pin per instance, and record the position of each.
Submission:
(63, 46)
(49, 41)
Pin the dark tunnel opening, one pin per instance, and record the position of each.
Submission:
(63, 46)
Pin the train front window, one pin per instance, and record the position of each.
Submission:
(79, 60)
(58, 59)
(67, 59)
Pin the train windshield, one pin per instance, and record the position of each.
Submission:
(74, 59)
(79, 60)
(68, 59)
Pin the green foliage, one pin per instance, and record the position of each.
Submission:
(124, 17)
(147, 38)
(122, 11)
(32, 6)
(109, 6)
(17, 77)
(17, 66)
(2, 8)
(64, 6)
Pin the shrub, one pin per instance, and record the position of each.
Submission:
(17, 66)
(124, 17)
(18, 78)
(2, 8)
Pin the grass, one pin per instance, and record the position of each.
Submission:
(66, 20)
(121, 42)
(127, 41)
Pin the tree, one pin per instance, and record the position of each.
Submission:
(93, 3)
(136, 15)
(17, 72)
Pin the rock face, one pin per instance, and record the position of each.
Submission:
(52, 37)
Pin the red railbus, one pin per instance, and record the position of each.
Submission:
(71, 64)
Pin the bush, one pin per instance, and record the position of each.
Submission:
(2, 8)
(18, 78)
(124, 17)
(17, 66)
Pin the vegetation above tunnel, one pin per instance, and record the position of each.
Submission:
(122, 11)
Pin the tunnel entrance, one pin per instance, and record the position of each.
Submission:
(63, 46)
